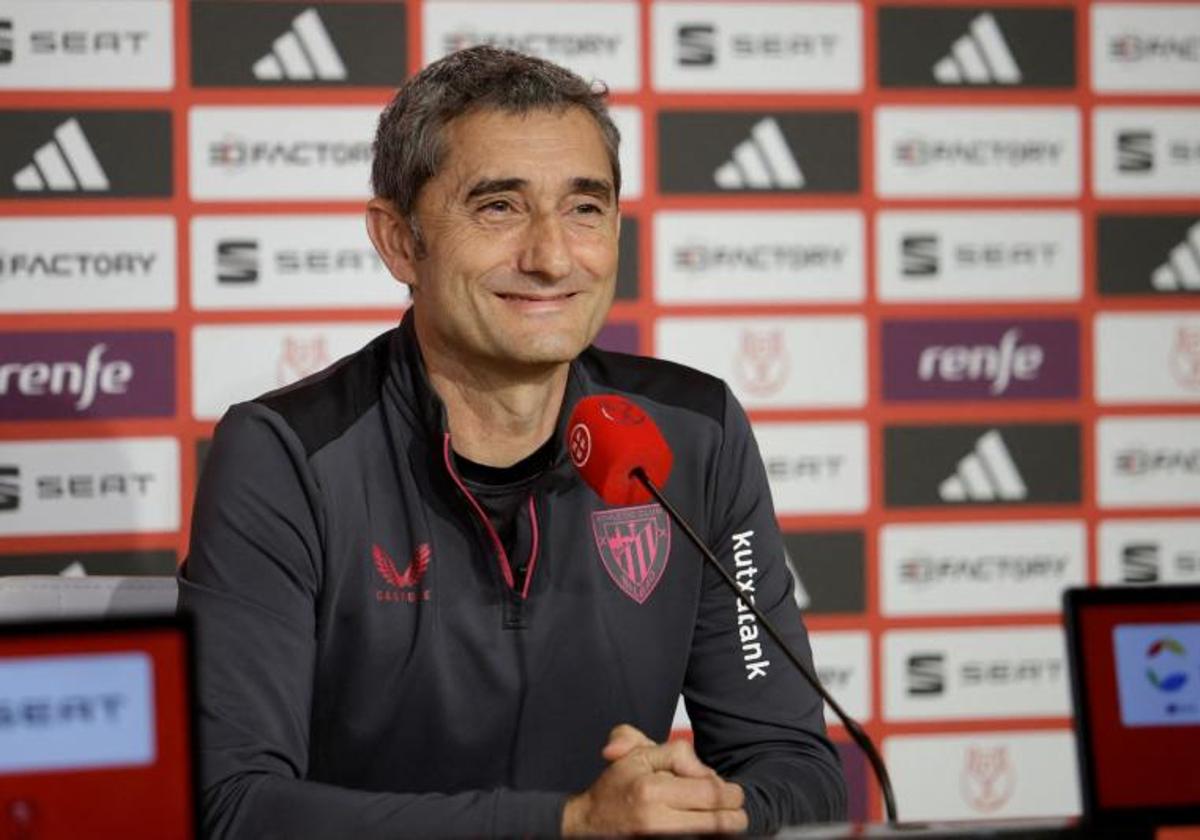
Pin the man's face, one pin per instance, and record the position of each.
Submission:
(520, 240)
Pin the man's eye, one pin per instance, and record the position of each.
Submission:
(589, 209)
(498, 206)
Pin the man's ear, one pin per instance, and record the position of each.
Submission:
(393, 238)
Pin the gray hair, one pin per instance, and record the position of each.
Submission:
(410, 141)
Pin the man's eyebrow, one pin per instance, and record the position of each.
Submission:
(597, 187)
(496, 185)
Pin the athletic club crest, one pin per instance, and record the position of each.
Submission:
(634, 544)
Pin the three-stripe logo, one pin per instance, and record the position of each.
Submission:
(986, 474)
(304, 52)
(1182, 268)
(64, 164)
(979, 57)
(763, 161)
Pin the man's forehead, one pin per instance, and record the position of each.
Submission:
(537, 146)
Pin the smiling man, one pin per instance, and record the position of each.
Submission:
(414, 618)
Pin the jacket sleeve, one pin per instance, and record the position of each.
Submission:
(755, 720)
(251, 581)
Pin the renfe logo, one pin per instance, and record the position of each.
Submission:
(980, 359)
(47, 375)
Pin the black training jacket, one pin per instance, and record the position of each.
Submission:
(366, 668)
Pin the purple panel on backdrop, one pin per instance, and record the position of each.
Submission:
(620, 337)
(64, 375)
(972, 360)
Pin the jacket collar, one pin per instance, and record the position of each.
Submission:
(408, 384)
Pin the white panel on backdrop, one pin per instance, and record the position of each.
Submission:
(597, 40)
(1146, 47)
(796, 362)
(1148, 461)
(255, 153)
(629, 122)
(1030, 151)
(843, 663)
(1010, 672)
(1149, 551)
(240, 362)
(87, 264)
(757, 46)
(1146, 151)
(815, 467)
(87, 45)
(980, 568)
(979, 255)
(1147, 357)
(289, 262)
(763, 256)
(102, 486)
(984, 775)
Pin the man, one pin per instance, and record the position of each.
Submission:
(414, 618)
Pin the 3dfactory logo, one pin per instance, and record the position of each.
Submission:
(1145, 461)
(1164, 656)
(1131, 48)
(235, 154)
(919, 152)
(405, 587)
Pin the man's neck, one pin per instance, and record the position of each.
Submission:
(496, 419)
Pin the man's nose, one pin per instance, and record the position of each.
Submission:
(546, 252)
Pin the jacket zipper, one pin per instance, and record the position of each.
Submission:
(501, 554)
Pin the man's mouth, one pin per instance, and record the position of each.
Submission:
(523, 298)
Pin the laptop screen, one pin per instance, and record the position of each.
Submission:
(1135, 657)
(95, 729)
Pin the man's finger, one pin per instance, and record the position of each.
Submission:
(699, 822)
(684, 794)
(624, 739)
(679, 758)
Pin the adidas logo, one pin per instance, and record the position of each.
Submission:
(762, 162)
(980, 57)
(66, 163)
(304, 52)
(1182, 269)
(985, 475)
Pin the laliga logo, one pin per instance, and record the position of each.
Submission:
(1174, 680)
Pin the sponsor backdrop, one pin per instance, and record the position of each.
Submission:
(947, 254)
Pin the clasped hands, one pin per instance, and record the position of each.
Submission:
(651, 788)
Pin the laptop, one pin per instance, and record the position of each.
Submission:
(96, 732)
(1135, 679)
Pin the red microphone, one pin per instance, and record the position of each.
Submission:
(608, 437)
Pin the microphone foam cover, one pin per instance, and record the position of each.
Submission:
(607, 437)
